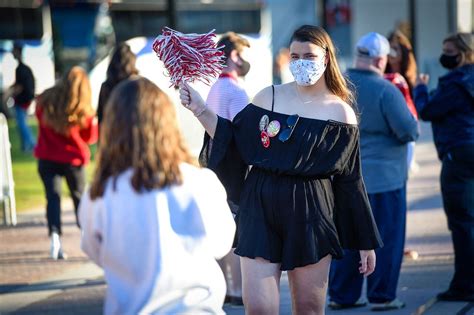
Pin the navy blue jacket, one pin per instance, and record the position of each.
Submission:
(450, 108)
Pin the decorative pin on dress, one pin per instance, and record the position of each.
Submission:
(268, 129)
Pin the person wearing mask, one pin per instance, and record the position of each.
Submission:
(401, 59)
(303, 199)
(67, 125)
(450, 109)
(401, 71)
(226, 98)
(23, 93)
(386, 126)
(153, 219)
(121, 67)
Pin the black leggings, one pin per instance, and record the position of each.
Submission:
(51, 174)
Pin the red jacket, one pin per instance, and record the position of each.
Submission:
(71, 149)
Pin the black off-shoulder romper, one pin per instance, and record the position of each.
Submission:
(302, 199)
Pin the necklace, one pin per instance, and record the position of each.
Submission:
(324, 97)
(301, 99)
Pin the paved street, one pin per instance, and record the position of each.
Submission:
(31, 283)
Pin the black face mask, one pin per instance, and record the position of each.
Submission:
(449, 62)
(244, 68)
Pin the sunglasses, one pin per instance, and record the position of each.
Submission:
(291, 122)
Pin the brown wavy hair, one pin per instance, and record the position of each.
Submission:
(335, 81)
(68, 102)
(408, 67)
(231, 41)
(140, 132)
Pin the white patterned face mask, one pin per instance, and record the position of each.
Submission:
(307, 72)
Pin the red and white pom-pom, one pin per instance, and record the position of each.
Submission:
(189, 57)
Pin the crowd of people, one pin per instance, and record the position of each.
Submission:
(308, 177)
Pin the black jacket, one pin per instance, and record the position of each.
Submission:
(450, 108)
(24, 78)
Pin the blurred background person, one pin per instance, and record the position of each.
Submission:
(401, 58)
(23, 93)
(153, 220)
(121, 67)
(450, 108)
(227, 97)
(386, 126)
(281, 69)
(67, 124)
(401, 70)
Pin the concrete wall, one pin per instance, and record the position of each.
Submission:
(434, 20)
(465, 15)
(432, 26)
(381, 16)
(286, 16)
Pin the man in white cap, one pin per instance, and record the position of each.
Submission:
(386, 126)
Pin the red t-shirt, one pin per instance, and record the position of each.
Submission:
(71, 149)
(399, 81)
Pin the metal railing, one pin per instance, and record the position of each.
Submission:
(7, 185)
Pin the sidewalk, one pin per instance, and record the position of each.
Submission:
(31, 283)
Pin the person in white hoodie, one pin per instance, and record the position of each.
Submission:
(152, 219)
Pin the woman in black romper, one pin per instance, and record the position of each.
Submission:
(303, 199)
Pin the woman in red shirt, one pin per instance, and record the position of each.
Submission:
(401, 71)
(67, 125)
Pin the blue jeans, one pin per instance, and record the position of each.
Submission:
(345, 281)
(26, 137)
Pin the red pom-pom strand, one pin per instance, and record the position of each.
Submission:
(189, 57)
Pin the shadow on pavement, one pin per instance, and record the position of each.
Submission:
(51, 285)
(41, 260)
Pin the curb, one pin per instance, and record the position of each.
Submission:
(34, 292)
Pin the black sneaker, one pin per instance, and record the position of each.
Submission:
(236, 301)
(233, 300)
(391, 305)
(455, 296)
(337, 306)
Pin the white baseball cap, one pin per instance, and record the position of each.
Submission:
(373, 45)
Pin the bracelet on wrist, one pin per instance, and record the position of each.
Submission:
(204, 108)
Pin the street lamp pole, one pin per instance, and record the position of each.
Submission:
(412, 15)
(172, 14)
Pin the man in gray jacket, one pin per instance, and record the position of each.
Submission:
(386, 126)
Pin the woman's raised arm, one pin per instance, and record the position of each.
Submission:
(191, 99)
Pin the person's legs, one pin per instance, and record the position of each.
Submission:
(50, 175)
(260, 286)
(308, 286)
(230, 265)
(76, 179)
(27, 141)
(389, 209)
(457, 186)
(345, 281)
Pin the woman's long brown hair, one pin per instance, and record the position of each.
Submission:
(68, 102)
(140, 132)
(335, 81)
(408, 63)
